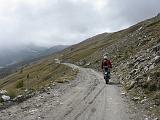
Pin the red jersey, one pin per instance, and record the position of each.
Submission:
(107, 63)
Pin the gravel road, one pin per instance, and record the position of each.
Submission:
(86, 98)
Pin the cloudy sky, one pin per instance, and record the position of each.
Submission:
(53, 22)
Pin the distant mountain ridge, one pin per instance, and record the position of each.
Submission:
(11, 56)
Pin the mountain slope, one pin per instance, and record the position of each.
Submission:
(115, 44)
(10, 56)
(135, 55)
(16, 58)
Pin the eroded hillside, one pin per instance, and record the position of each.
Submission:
(135, 53)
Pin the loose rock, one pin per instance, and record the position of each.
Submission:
(6, 98)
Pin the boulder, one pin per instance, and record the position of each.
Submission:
(6, 98)
(143, 101)
(19, 98)
(88, 64)
(3, 92)
(156, 48)
(82, 62)
(151, 67)
(149, 79)
(123, 93)
(57, 61)
(157, 59)
(136, 98)
(146, 68)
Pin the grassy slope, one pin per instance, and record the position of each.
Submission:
(36, 76)
(93, 49)
(119, 45)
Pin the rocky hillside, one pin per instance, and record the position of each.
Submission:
(135, 53)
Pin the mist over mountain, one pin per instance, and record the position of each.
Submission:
(14, 55)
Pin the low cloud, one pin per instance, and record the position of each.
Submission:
(48, 22)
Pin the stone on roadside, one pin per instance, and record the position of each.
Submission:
(6, 98)
(19, 98)
(33, 111)
(53, 83)
(26, 90)
(146, 118)
(136, 98)
(48, 88)
(155, 119)
(3, 92)
(61, 103)
(88, 64)
(82, 62)
(144, 100)
(123, 93)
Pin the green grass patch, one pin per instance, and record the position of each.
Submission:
(36, 76)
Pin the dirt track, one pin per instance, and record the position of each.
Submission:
(86, 98)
